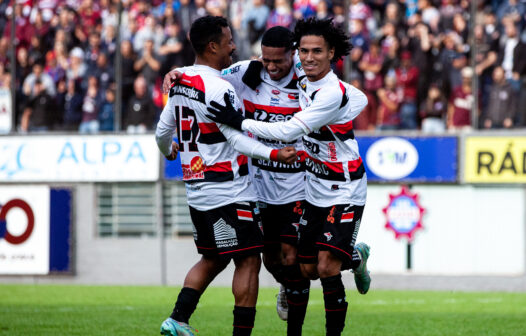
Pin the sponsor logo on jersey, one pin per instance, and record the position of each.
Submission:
(293, 96)
(276, 92)
(188, 92)
(262, 115)
(274, 101)
(328, 235)
(231, 70)
(224, 234)
(196, 164)
(332, 151)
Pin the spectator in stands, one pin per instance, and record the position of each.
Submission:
(171, 48)
(107, 111)
(322, 10)
(90, 108)
(389, 104)
(407, 79)
(4, 49)
(38, 113)
(366, 120)
(303, 9)
(371, 65)
(513, 9)
(281, 15)
(104, 71)
(140, 112)
(361, 11)
(92, 51)
(360, 42)
(502, 105)
(148, 64)
(419, 44)
(255, 21)
(461, 102)
(433, 111)
(77, 68)
(73, 101)
(52, 67)
(109, 41)
(128, 72)
(512, 55)
(485, 58)
(45, 81)
(186, 15)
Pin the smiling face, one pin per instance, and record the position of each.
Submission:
(276, 61)
(225, 48)
(315, 56)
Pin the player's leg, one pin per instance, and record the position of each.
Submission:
(199, 276)
(336, 245)
(245, 220)
(245, 285)
(329, 267)
(271, 234)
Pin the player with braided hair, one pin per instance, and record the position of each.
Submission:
(336, 183)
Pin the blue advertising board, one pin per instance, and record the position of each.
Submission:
(410, 159)
(173, 170)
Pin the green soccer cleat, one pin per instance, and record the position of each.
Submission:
(172, 327)
(361, 274)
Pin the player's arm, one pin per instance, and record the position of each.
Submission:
(320, 113)
(164, 133)
(247, 145)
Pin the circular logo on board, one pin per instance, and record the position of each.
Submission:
(4, 232)
(392, 158)
(403, 214)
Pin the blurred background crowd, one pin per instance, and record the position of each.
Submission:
(419, 61)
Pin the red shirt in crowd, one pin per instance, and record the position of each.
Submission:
(407, 80)
(462, 103)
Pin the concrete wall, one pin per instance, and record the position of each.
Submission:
(467, 231)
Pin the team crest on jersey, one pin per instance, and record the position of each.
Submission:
(196, 164)
(328, 235)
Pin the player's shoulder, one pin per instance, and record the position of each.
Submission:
(238, 68)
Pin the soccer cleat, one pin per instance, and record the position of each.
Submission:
(172, 327)
(361, 274)
(282, 306)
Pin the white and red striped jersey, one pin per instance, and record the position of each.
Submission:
(271, 101)
(335, 172)
(216, 174)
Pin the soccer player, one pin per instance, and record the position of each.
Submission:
(336, 183)
(220, 194)
(270, 93)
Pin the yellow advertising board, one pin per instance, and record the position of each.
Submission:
(495, 159)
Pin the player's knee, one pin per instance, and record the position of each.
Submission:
(289, 253)
(309, 271)
(328, 265)
(252, 262)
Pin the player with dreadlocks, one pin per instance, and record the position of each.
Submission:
(336, 183)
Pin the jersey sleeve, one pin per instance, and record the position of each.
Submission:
(165, 129)
(234, 74)
(298, 69)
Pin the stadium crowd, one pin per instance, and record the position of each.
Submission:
(411, 57)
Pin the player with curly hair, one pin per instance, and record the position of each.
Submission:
(336, 183)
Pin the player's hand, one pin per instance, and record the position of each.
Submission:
(227, 114)
(170, 79)
(287, 155)
(173, 154)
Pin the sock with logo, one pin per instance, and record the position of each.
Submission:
(185, 304)
(243, 320)
(356, 260)
(335, 304)
(297, 289)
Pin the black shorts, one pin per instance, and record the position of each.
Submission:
(329, 229)
(230, 231)
(280, 222)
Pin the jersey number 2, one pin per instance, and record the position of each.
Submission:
(187, 128)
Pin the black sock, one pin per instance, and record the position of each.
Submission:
(185, 304)
(277, 272)
(335, 304)
(356, 260)
(243, 320)
(297, 289)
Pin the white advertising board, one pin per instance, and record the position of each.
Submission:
(24, 230)
(5, 110)
(61, 158)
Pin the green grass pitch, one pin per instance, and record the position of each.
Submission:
(113, 310)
